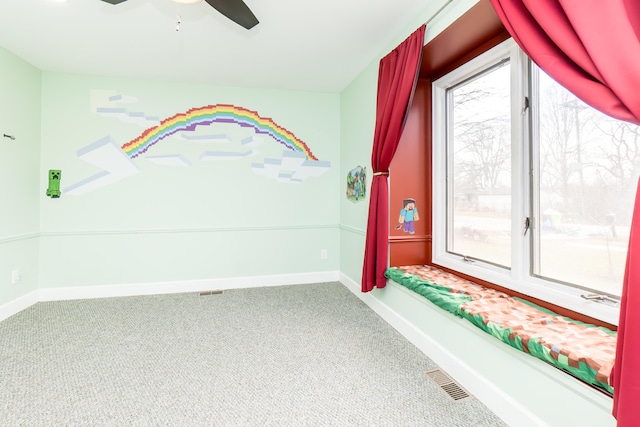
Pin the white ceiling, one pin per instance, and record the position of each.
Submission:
(319, 45)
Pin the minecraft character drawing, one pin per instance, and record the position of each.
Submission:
(358, 186)
(54, 183)
(408, 215)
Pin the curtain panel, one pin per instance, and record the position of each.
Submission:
(397, 77)
(592, 48)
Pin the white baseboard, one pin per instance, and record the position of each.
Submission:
(17, 305)
(122, 290)
(134, 289)
(497, 400)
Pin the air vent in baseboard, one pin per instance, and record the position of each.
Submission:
(446, 383)
(205, 293)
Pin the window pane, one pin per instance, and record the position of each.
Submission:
(479, 143)
(589, 166)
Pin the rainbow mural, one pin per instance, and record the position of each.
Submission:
(219, 113)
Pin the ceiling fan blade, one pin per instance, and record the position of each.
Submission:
(114, 1)
(235, 10)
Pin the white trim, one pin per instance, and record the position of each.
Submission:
(17, 305)
(26, 236)
(182, 286)
(353, 230)
(498, 400)
(18, 237)
(187, 230)
(123, 290)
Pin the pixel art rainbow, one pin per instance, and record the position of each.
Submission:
(220, 113)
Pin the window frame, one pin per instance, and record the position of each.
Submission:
(520, 276)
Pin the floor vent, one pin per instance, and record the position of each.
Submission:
(447, 384)
(205, 293)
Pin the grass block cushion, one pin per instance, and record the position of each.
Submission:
(583, 350)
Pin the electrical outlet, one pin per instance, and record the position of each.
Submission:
(323, 254)
(15, 277)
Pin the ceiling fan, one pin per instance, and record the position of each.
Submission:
(236, 10)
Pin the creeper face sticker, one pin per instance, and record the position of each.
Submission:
(54, 183)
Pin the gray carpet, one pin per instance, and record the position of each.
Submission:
(305, 355)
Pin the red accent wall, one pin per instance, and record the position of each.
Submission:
(473, 33)
(407, 180)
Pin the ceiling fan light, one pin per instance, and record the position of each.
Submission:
(186, 1)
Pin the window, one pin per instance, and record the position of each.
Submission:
(532, 189)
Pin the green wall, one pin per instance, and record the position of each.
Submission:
(358, 108)
(19, 173)
(211, 219)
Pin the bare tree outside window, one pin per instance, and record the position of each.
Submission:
(589, 168)
(481, 147)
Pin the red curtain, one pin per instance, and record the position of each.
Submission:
(592, 47)
(397, 77)
(626, 370)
